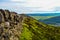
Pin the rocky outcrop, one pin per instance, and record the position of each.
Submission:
(10, 25)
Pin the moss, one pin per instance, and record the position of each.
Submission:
(26, 34)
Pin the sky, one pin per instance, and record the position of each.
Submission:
(31, 6)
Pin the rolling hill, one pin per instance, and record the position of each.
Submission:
(54, 21)
(15, 26)
(43, 16)
(50, 19)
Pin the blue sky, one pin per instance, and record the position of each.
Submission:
(31, 6)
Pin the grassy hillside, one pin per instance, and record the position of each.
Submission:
(35, 30)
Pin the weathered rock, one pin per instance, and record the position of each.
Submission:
(1, 30)
(0, 17)
(10, 25)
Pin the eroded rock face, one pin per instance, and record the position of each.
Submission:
(10, 25)
(0, 18)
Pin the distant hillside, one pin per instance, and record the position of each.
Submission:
(44, 14)
(15, 26)
(42, 17)
(53, 21)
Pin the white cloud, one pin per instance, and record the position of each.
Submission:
(16, 0)
(34, 5)
(44, 5)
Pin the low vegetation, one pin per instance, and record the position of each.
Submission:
(35, 30)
